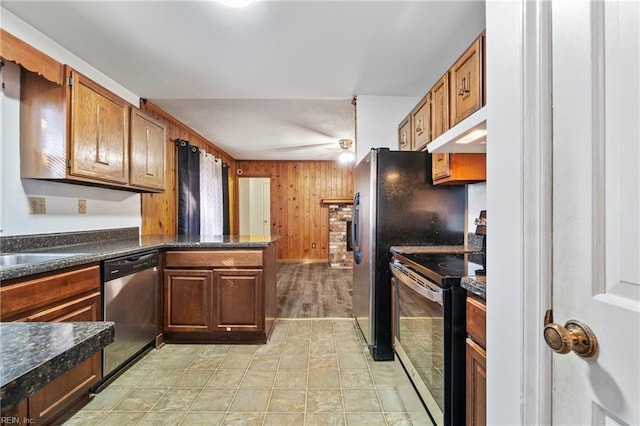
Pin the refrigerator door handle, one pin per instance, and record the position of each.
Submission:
(355, 234)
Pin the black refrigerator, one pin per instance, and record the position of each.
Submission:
(395, 203)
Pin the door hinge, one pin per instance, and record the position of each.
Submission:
(69, 163)
(70, 81)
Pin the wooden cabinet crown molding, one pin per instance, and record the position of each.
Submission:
(13, 49)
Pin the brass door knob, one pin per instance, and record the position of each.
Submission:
(575, 335)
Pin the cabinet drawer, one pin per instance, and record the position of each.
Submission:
(29, 296)
(477, 321)
(218, 259)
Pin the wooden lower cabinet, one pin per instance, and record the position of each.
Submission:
(476, 386)
(187, 300)
(70, 390)
(237, 297)
(71, 296)
(476, 362)
(219, 296)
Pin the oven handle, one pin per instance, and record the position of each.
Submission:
(429, 293)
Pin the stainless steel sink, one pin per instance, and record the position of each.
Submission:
(12, 260)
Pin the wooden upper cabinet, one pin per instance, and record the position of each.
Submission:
(467, 83)
(80, 132)
(99, 137)
(147, 160)
(440, 107)
(440, 124)
(421, 118)
(458, 169)
(13, 49)
(405, 139)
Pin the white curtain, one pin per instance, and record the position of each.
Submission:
(210, 195)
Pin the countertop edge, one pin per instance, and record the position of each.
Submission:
(474, 286)
(98, 256)
(18, 388)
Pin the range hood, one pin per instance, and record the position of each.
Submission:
(468, 136)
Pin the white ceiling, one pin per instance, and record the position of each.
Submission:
(266, 81)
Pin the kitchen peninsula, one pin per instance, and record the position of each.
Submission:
(212, 289)
(215, 288)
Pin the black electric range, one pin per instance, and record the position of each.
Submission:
(444, 269)
(429, 328)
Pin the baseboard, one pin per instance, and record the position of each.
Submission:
(303, 260)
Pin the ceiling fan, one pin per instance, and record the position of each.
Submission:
(344, 149)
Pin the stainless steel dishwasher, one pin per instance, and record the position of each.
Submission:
(130, 300)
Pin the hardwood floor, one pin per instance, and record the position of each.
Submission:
(314, 290)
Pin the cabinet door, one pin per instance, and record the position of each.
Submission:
(54, 400)
(420, 120)
(238, 300)
(458, 169)
(467, 83)
(405, 140)
(148, 141)
(440, 107)
(440, 165)
(99, 144)
(476, 386)
(187, 300)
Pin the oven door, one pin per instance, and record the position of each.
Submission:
(419, 341)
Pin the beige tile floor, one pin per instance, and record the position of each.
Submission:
(311, 372)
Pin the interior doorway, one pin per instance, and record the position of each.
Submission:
(254, 205)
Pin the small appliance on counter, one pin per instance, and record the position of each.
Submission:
(481, 229)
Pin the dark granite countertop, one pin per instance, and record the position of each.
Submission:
(32, 354)
(102, 247)
(476, 284)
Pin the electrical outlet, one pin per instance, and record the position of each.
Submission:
(82, 206)
(37, 205)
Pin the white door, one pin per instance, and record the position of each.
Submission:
(596, 207)
(254, 206)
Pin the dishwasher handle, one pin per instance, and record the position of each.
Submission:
(120, 267)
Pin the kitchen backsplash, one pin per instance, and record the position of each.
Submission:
(43, 241)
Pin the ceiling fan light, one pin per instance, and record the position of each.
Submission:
(237, 3)
(346, 157)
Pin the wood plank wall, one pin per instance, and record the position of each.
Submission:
(159, 211)
(297, 212)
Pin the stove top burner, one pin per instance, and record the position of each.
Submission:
(451, 267)
(444, 268)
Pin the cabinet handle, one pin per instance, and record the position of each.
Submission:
(465, 85)
(403, 139)
(102, 151)
(419, 128)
